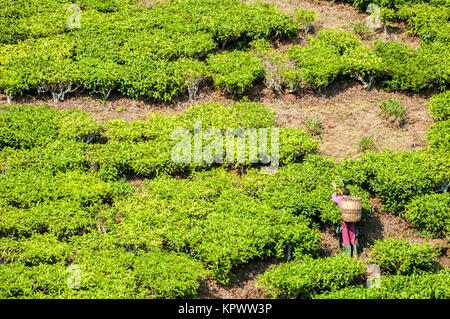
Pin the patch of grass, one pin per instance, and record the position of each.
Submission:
(313, 125)
(361, 29)
(394, 111)
(366, 143)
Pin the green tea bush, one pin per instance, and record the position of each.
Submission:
(100, 76)
(403, 258)
(25, 188)
(439, 106)
(41, 281)
(145, 147)
(244, 114)
(295, 145)
(416, 286)
(57, 155)
(80, 126)
(105, 6)
(303, 189)
(25, 19)
(281, 73)
(397, 177)
(304, 18)
(430, 213)
(408, 69)
(62, 218)
(339, 39)
(362, 64)
(236, 71)
(438, 135)
(237, 232)
(319, 64)
(428, 21)
(27, 126)
(106, 273)
(156, 79)
(38, 249)
(115, 273)
(127, 47)
(168, 275)
(194, 72)
(304, 278)
(216, 223)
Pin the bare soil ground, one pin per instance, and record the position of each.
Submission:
(348, 112)
(241, 286)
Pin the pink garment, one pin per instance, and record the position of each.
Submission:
(348, 229)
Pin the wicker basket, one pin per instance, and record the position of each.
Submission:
(351, 209)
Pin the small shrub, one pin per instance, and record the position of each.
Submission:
(438, 135)
(320, 64)
(194, 73)
(430, 213)
(403, 258)
(362, 64)
(303, 19)
(306, 277)
(281, 73)
(405, 68)
(261, 47)
(40, 248)
(236, 71)
(439, 106)
(341, 40)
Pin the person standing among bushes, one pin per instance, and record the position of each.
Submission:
(347, 231)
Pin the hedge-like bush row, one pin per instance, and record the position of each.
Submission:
(439, 106)
(438, 135)
(26, 126)
(416, 286)
(159, 51)
(303, 189)
(138, 50)
(62, 140)
(210, 218)
(106, 274)
(304, 278)
(430, 213)
(398, 177)
(400, 257)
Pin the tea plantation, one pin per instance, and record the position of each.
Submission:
(73, 224)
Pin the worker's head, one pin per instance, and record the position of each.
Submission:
(346, 192)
